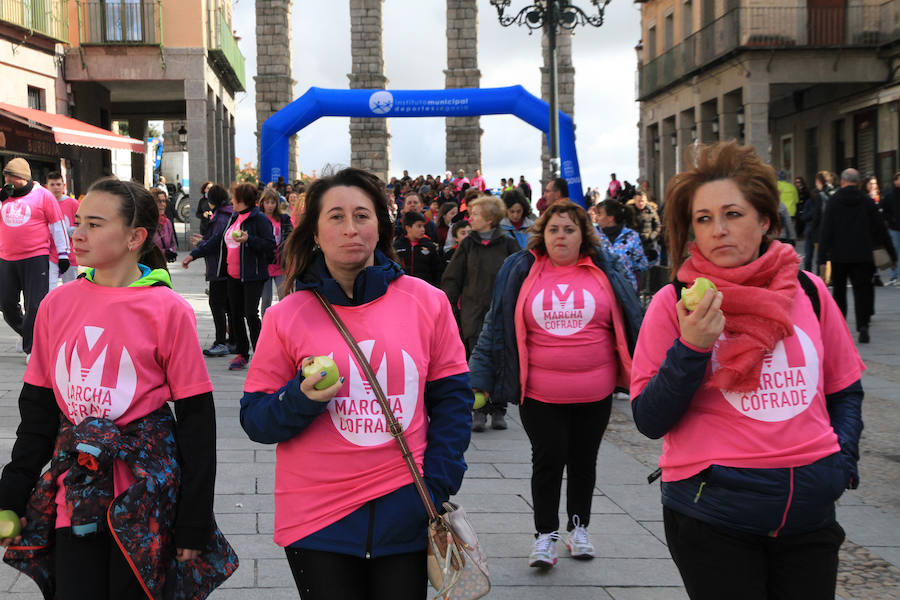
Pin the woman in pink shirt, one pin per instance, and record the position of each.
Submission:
(756, 393)
(346, 510)
(557, 341)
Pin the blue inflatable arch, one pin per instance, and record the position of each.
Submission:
(468, 102)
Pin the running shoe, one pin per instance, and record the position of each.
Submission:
(543, 554)
(479, 421)
(579, 542)
(238, 363)
(216, 350)
(498, 421)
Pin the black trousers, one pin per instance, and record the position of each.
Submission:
(719, 562)
(860, 275)
(243, 303)
(93, 567)
(563, 436)
(323, 575)
(218, 306)
(29, 278)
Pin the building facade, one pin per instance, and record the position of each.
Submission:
(133, 61)
(811, 84)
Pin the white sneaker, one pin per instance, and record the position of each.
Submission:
(543, 555)
(579, 542)
(27, 358)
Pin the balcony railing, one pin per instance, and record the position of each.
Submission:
(224, 51)
(47, 17)
(120, 22)
(772, 28)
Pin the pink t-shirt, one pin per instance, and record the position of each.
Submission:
(275, 269)
(345, 457)
(116, 353)
(784, 423)
(233, 249)
(24, 222)
(479, 182)
(571, 344)
(68, 206)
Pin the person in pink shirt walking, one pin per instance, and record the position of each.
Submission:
(68, 206)
(756, 393)
(346, 511)
(574, 318)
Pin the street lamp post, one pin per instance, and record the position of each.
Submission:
(552, 15)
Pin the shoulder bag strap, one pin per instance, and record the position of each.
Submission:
(394, 427)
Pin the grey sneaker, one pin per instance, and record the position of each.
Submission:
(498, 421)
(216, 350)
(579, 542)
(543, 554)
(479, 421)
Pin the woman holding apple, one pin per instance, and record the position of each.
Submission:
(557, 341)
(346, 511)
(756, 393)
(246, 249)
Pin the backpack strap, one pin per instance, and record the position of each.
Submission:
(810, 288)
(805, 282)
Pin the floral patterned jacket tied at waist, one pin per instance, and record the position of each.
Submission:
(141, 519)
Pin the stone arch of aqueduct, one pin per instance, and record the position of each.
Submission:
(370, 138)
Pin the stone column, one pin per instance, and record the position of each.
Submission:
(756, 118)
(369, 138)
(463, 134)
(196, 112)
(274, 57)
(219, 132)
(137, 128)
(566, 77)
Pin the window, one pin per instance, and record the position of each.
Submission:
(651, 42)
(687, 19)
(123, 20)
(669, 32)
(36, 98)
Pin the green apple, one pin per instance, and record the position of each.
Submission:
(236, 233)
(480, 400)
(319, 364)
(10, 524)
(692, 296)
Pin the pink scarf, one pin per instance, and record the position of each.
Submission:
(757, 301)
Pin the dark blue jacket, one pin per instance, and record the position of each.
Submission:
(209, 250)
(394, 523)
(494, 364)
(761, 501)
(257, 253)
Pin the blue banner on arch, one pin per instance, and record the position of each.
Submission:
(467, 102)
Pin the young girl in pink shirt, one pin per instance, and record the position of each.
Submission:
(124, 510)
(573, 318)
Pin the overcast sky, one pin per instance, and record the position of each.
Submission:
(415, 53)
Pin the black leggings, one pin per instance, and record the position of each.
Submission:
(332, 576)
(243, 305)
(718, 562)
(28, 277)
(93, 567)
(218, 306)
(563, 436)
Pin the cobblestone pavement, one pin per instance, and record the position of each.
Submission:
(632, 561)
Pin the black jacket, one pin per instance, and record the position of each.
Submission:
(469, 278)
(422, 260)
(890, 204)
(209, 247)
(852, 227)
(257, 253)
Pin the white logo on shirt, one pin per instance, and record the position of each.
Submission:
(565, 312)
(788, 382)
(16, 213)
(81, 385)
(357, 416)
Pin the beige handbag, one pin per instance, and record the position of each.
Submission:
(457, 566)
(881, 258)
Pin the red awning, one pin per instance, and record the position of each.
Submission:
(67, 130)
